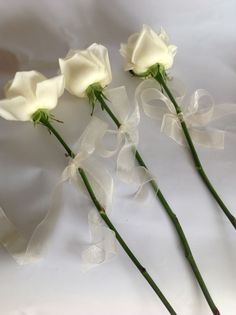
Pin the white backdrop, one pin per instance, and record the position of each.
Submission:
(31, 161)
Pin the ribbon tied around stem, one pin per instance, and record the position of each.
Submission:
(197, 114)
(127, 138)
(103, 239)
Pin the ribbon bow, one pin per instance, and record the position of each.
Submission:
(129, 117)
(197, 115)
(28, 251)
(99, 177)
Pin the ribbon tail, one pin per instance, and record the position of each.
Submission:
(39, 241)
(130, 173)
(100, 180)
(104, 244)
(208, 138)
(126, 162)
(30, 251)
(222, 110)
(170, 126)
(11, 239)
(143, 177)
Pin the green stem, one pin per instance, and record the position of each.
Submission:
(195, 157)
(173, 218)
(50, 127)
(105, 218)
(142, 270)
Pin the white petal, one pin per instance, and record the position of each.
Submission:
(15, 109)
(71, 53)
(28, 92)
(77, 73)
(126, 50)
(100, 53)
(173, 49)
(86, 67)
(24, 84)
(48, 92)
(148, 51)
(147, 48)
(163, 35)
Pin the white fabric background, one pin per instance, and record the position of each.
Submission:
(31, 161)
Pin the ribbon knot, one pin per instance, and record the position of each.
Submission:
(123, 129)
(74, 164)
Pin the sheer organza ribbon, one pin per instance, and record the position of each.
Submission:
(103, 240)
(200, 111)
(127, 138)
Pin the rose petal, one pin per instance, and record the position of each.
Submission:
(24, 84)
(85, 68)
(14, 109)
(48, 92)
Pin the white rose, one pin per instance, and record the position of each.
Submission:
(146, 49)
(28, 92)
(81, 68)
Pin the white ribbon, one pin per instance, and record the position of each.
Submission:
(129, 117)
(197, 115)
(28, 251)
(103, 240)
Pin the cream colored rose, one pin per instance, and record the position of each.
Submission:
(146, 49)
(82, 68)
(28, 92)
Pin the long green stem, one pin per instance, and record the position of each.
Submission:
(142, 270)
(195, 157)
(172, 216)
(105, 218)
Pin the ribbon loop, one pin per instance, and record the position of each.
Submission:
(201, 107)
(91, 136)
(119, 103)
(147, 92)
